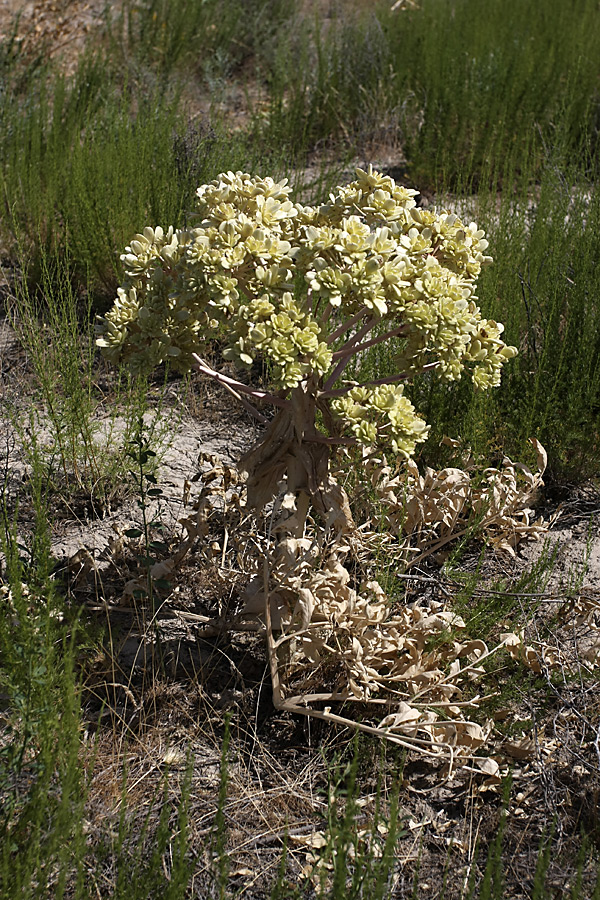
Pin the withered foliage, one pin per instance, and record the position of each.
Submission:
(436, 507)
(338, 648)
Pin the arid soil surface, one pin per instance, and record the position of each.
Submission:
(60, 27)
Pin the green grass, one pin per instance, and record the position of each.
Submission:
(70, 437)
(457, 83)
(88, 163)
(209, 39)
(543, 286)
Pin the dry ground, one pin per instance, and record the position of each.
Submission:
(60, 28)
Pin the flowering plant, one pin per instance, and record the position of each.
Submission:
(310, 289)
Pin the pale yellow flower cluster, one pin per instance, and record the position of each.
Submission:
(181, 287)
(305, 287)
(376, 412)
(286, 333)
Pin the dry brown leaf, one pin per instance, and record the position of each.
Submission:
(489, 767)
(521, 749)
(474, 649)
(404, 719)
(430, 508)
(316, 840)
(332, 640)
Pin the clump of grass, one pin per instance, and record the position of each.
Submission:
(452, 103)
(47, 848)
(152, 859)
(176, 36)
(339, 89)
(100, 161)
(61, 432)
(504, 91)
(40, 777)
(547, 279)
(87, 161)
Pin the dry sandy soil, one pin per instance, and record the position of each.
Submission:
(62, 27)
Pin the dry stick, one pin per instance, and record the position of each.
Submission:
(278, 701)
(409, 743)
(542, 595)
(234, 385)
(247, 406)
(211, 626)
(342, 697)
(225, 542)
(472, 704)
(290, 636)
(270, 837)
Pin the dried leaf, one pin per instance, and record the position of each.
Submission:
(489, 767)
(522, 749)
(316, 840)
(404, 720)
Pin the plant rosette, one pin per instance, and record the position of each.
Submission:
(310, 290)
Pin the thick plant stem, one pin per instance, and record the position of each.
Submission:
(298, 477)
(296, 484)
(293, 449)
